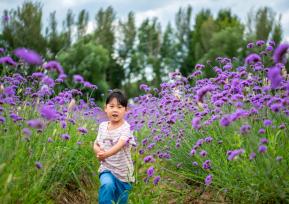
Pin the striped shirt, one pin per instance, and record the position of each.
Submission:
(120, 164)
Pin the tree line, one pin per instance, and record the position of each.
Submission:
(120, 54)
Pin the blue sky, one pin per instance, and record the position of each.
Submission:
(163, 9)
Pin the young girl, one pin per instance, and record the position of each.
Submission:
(112, 149)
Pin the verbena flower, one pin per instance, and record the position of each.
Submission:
(149, 158)
(195, 163)
(262, 149)
(252, 156)
(156, 180)
(208, 180)
(264, 141)
(233, 154)
(29, 56)
(267, 122)
(207, 164)
(260, 43)
(54, 65)
(252, 58)
(7, 60)
(26, 131)
(48, 113)
(275, 77)
(203, 153)
(150, 171)
(36, 123)
(279, 158)
(82, 130)
(280, 52)
(65, 136)
(78, 78)
(38, 165)
(225, 121)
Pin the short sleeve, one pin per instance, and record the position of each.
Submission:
(96, 141)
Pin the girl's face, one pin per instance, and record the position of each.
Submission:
(115, 111)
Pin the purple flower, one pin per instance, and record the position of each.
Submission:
(208, 139)
(144, 87)
(2, 120)
(203, 153)
(269, 48)
(26, 131)
(279, 158)
(38, 165)
(275, 77)
(7, 60)
(235, 153)
(38, 75)
(225, 121)
(276, 107)
(195, 163)
(280, 53)
(252, 156)
(82, 130)
(282, 126)
(78, 78)
(261, 131)
(2, 50)
(48, 81)
(260, 43)
(267, 122)
(244, 129)
(36, 123)
(250, 45)
(49, 140)
(65, 136)
(193, 152)
(149, 158)
(202, 92)
(54, 65)
(196, 123)
(264, 141)
(208, 180)
(63, 124)
(252, 58)
(262, 149)
(272, 43)
(199, 66)
(48, 113)
(29, 56)
(156, 180)
(207, 164)
(150, 171)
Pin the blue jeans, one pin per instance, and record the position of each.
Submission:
(112, 190)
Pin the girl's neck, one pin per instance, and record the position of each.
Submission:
(115, 124)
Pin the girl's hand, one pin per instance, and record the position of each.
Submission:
(101, 155)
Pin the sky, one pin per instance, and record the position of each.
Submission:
(164, 10)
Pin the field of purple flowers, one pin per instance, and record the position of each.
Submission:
(225, 137)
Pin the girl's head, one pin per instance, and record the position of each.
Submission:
(116, 105)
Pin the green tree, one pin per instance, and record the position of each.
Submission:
(168, 51)
(82, 23)
(127, 45)
(87, 59)
(277, 31)
(24, 27)
(148, 48)
(104, 35)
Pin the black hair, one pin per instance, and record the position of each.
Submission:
(119, 95)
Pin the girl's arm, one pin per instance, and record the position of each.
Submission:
(104, 154)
